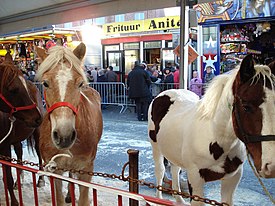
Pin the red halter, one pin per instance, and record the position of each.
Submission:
(60, 104)
(16, 109)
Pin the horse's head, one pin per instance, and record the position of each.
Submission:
(15, 97)
(254, 113)
(63, 78)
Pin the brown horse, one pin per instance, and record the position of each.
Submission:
(33, 137)
(72, 127)
(19, 114)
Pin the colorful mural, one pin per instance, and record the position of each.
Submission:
(234, 9)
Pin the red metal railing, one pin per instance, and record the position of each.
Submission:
(96, 189)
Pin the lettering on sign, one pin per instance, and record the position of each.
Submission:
(164, 23)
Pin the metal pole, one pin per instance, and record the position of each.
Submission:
(182, 42)
(133, 174)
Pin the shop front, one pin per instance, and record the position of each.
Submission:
(232, 29)
(145, 41)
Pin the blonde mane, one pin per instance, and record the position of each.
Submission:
(220, 93)
(58, 55)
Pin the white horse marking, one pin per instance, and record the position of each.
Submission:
(63, 77)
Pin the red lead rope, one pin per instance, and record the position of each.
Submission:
(15, 109)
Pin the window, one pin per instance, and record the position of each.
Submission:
(68, 25)
(119, 18)
(139, 16)
(100, 21)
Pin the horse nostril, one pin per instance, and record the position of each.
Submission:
(56, 137)
(73, 137)
(38, 121)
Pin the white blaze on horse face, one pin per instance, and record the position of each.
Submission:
(63, 77)
(268, 147)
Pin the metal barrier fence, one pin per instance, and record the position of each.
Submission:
(33, 196)
(116, 93)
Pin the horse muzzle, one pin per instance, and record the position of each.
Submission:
(267, 171)
(64, 139)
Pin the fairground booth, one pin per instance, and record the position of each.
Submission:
(231, 29)
(21, 44)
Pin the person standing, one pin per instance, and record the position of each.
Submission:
(177, 77)
(209, 75)
(196, 84)
(111, 75)
(94, 74)
(138, 83)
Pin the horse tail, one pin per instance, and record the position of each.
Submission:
(31, 144)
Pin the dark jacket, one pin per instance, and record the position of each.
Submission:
(138, 82)
(111, 76)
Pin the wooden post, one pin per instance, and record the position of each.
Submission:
(133, 173)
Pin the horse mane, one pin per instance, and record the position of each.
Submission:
(220, 92)
(9, 73)
(58, 55)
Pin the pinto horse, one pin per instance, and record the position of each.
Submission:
(19, 115)
(210, 136)
(72, 126)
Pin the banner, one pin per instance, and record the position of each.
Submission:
(163, 23)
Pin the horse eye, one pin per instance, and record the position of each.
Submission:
(247, 108)
(81, 84)
(45, 84)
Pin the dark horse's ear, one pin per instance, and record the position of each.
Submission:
(80, 51)
(247, 68)
(272, 67)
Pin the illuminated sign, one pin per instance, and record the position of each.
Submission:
(164, 23)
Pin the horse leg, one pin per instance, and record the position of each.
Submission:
(19, 154)
(84, 191)
(195, 184)
(68, 198)
(175, 170)
(58, 191)
(36, 135)
(9, 178)
(229, 185)
(159, 167)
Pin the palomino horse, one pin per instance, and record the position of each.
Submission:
(73, 123)
(209, 137)
(19, 114)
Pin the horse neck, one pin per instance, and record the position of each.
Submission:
(222, 123)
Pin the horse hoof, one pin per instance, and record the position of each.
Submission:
(14, 203)
(40, 183)
(68, 199)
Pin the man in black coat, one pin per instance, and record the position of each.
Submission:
(139, 82)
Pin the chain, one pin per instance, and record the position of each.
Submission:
(125, 179)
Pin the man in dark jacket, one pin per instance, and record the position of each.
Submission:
(139, 82)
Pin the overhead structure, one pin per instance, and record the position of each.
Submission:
(28, 14)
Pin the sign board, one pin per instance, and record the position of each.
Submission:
(192, 54)
(163, 23)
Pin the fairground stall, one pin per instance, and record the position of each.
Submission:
(21, 44)
(231, 29)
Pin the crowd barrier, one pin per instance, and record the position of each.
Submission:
(116, 93)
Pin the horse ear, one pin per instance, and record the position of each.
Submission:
(272, 67)
(8, 58)
(41, 53)
(80, 51)
(247, 68)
